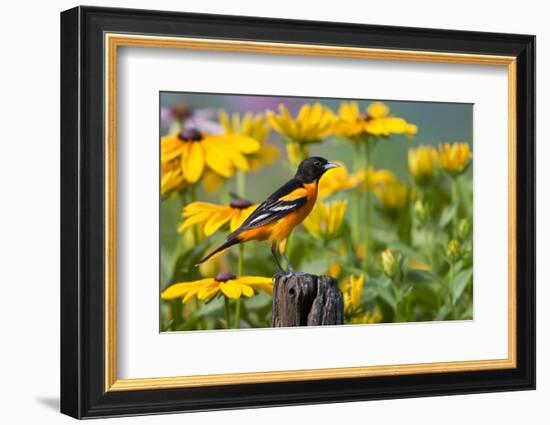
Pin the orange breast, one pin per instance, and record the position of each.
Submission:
(280, 229)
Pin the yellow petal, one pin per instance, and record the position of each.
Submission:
(199, 207)
(247, 291)
(235, 220)
(238, 159)
(395, 125)
(378, 110)
(231, 290)
(181, 289)
(193, 163)
(217, 221)
(376, 127)
(274, 122)
(208, 291)
(212, 182)
(349, 111)
(244, 144)
(216, 157)
(195, 219)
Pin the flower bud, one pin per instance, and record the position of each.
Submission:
(423, 162)
(421, 211)
(390, 266)
(453, 250)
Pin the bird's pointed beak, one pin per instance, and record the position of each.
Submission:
(330, 165)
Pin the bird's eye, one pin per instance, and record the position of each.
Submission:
(317, 163)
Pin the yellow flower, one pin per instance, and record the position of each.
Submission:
(366, 318)
(339, 179)
(225, 283)
(455, 158)
(376, 178)
(197, 152)
(255, 127)
(171, 177)
(326, 218)
(376, 121)
(352, 289)
(312, 123)
(392, 195)
(211, 217)
(211, 181)
(334, 270)
(423, 162)
(296, 153)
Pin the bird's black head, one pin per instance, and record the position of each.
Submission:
(311, 169)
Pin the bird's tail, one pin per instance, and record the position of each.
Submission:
(230, 242)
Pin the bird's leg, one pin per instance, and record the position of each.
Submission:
(282, 250)
(274, 253)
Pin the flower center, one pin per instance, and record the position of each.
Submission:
(366, 117)
(240, 204)
(181, 111)
(190, 135)
(225, 276)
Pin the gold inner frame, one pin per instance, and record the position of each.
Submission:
(113, 41)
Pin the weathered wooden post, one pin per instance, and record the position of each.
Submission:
(307, 300)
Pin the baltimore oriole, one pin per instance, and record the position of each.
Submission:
(278, 215)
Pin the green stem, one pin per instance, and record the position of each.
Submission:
(241, 191)
(355, 213)
(451, 289)
(200, 324)
(367, 205)
(456, 201)
(227, 313)
(193, 191)
(241, 184)
(237, 313)
(240, 269)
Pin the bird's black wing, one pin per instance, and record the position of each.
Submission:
(274, 208)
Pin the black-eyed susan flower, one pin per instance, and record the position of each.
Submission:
(326, 218)
(375, 121)
(455, 158)
(393, 196)
(353, 289)
(313, 123)
(338, 180)
(171, 177)
(423, 163)
(212, 217)
(198, 152)
(256, 127)
(225, 283)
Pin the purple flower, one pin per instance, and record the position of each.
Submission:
(182, 117)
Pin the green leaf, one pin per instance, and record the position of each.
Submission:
(448, 215)
(460, 282)
(421, 276)
(407, 251)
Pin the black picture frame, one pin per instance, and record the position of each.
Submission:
(82, 212)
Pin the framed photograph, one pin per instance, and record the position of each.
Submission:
(261, 212)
